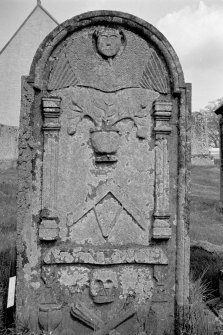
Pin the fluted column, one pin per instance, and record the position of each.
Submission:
(162, 114)
(48, 229)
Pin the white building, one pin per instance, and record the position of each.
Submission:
(15, 61)
(16, 58)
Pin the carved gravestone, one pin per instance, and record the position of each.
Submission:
(102, 205)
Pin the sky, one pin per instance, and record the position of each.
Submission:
(193, 27)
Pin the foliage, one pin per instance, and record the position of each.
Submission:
(205, 128)
(212, 122)
(208, 265)
(198, 320)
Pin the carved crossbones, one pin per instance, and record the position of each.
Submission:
(89, 318)
(86, 315)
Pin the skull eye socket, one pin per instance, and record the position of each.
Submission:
(109, 281)
(99, 282)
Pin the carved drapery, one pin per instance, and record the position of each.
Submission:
(162, 114)
(48, 229)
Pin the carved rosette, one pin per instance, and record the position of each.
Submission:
(48, 229)
(162, 114)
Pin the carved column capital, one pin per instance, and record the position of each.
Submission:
(51, 113)
(162, 111)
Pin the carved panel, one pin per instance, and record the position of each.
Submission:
(160, 292)
(113, 61)
(107, 205)
(76, 255)
(105, 132)
(111, 299)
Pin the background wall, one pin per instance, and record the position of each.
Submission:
(15, 61)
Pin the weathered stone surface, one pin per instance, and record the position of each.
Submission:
(146, 255)
(48, 230)
(103, 231)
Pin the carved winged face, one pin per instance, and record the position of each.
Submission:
(109, 42)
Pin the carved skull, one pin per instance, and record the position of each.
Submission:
(103, 286)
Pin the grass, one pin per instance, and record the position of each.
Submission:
(8, 189)
(208, 265)
(206, 224)
(206, 221)
(199, 320)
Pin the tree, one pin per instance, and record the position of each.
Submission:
(212, 121)
(206, 124)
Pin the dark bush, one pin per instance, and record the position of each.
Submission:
(206, 264)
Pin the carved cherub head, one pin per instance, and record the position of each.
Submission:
(109, 41)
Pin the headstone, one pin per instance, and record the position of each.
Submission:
(9, 146)
(103, 243)
(200, 142)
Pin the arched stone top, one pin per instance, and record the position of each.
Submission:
(130, 22)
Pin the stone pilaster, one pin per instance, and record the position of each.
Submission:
(162, 114)
(48, 229)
